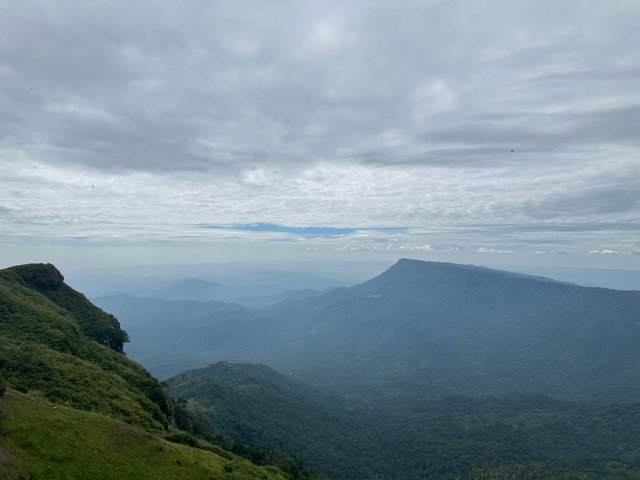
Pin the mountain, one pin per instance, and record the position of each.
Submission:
(55, 341)
(95, 323)
(189, 289)
(255, 404)
(472, 328)
(223, 282)
(74, 406)
(264, 301)
(441, 327)
(449, 437)
(159, 328)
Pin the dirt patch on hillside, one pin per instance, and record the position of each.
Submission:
(5, 459)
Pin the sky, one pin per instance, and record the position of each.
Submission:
(490, 132)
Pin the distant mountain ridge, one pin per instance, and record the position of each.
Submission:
(454, 327)
(492, 327)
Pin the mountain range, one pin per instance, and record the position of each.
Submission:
(429, 370)
(435, 327)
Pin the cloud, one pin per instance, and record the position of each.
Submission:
(606, 251)
(432, 98)
(346, 117)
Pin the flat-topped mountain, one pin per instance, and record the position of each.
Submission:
(471, 328)
(461, 327)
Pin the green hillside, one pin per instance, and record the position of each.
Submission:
(41, 439)
(43, 348)
(76, 407)
(517, 437)
(95, 323)
(257, 405)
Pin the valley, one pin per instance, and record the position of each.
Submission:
(495, 371)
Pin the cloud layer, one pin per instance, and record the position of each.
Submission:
(425, 125)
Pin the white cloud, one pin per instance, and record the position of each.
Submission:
(355, 115)
(328, 36)
(432, 98)
(606, 251)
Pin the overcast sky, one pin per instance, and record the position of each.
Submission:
(165, 131)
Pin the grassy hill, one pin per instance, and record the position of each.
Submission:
(43, 347)
(41, 439)
(75, 406)
(94, 322)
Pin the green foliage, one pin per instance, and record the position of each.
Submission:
(94, 322)
(190, 421)
(47, 440)
(43, 348)
(52, 349)
(3, 384)
(414, 436)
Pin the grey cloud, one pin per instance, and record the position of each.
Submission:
(216, 86)
(593, 201)
(324, 113)
(539, 134)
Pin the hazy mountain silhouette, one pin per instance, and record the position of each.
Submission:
(467, 328)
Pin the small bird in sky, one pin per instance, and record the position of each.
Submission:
(93, 186)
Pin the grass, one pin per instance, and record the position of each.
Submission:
(76, 407)
(46, 440)
(42, 347)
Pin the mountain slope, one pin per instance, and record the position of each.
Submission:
(256, 405)
(450, 327)
(451, 437)
(95, 323)
(46, 440)
(78, 408)
(473, 328)
(43, 347)
(158, 327)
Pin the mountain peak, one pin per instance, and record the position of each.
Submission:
(410, 262)
(406, 266)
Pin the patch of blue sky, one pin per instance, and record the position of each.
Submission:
(304, 231)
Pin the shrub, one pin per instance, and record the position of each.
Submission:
(3, 385)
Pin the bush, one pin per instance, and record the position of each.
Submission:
(3, 385)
